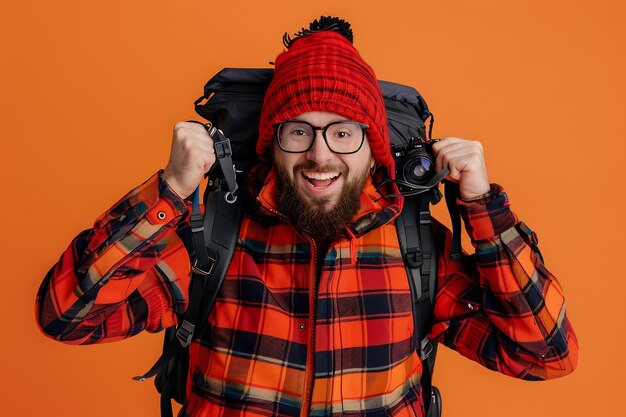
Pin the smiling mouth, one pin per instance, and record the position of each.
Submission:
(321, 179)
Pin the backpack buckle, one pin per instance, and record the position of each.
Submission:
(184, 334)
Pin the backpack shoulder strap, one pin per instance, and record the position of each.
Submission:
(417, 244)
(215, 236)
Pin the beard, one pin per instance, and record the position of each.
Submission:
(317, 216)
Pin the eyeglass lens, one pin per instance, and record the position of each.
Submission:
(341, 137)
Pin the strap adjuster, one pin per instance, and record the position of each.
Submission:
(414, 257)
(184, 334)
(222, 148)
(197, 222)
(426, 348)
(195, 268)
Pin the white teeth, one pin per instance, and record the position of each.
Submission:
(320, 175)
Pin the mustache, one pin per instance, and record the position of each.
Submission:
(312, 166)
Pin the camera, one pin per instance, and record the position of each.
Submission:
(415, 162)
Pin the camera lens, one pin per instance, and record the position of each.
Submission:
(418, 168)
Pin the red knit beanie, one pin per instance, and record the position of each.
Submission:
(322, 71)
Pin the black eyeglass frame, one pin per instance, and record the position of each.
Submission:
(277, 127)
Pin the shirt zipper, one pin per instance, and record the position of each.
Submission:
(310, 349)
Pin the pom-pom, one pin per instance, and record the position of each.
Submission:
(323, 24)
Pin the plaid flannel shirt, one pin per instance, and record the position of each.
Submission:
(287, 339)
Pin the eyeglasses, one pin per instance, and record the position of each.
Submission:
(343, 137)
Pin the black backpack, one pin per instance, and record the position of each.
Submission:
(232, 102)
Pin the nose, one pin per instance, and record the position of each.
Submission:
(319, 151)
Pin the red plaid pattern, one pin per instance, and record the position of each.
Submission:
(286, 339)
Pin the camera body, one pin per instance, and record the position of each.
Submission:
(415, 162)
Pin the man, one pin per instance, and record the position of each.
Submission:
(314, 315)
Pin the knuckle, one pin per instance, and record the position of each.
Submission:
(187, 143)
(179, 126)
(180, 134)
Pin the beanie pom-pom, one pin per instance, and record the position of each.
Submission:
(325, 23)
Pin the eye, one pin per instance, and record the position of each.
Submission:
(342, 131)
(296, 130)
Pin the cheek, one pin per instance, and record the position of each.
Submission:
(285, 162)
(359, 166)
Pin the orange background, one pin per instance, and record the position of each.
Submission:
(90, 91)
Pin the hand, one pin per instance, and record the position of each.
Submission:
(465, 160)
(192, 155)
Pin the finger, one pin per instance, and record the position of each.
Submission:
(447, 141)
(456, 150)
(187, 141)
(455, 174)
(183, 129)
(196, 125)
(457, 166)
(462, 160)
(471, 145)
(446, 158)
(471, 152)
(203, 144)
(471, 149)
(440, 158)
(440, 148)
(440, 144)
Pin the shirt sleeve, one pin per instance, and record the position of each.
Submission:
(129, 273)
(500, 306)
